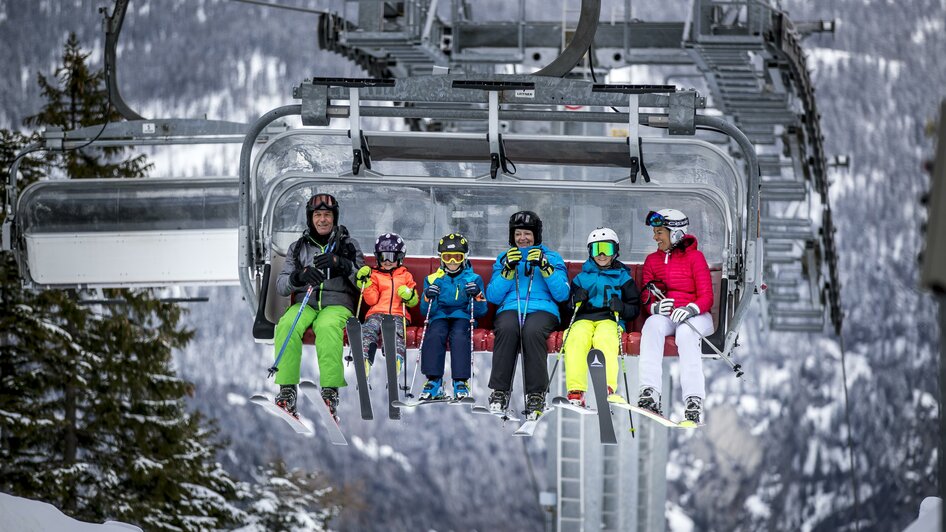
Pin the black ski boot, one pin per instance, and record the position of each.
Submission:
(694, 409)
(650, 400)
(286, 398)
(330, 396)
(498, 402)
(535, 404)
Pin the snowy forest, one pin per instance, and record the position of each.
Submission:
(138, 412)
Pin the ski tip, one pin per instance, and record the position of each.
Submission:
(687, 424)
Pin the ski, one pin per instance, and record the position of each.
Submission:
(389, 346)
(412, 404)
(666, 422)
(529, 425)
(505, 416)
(567, 405)
(599, 381)
(269, 405)
(468, 400)
(311, 391)
(353, 327)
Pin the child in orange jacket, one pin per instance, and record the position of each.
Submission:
(388, 290)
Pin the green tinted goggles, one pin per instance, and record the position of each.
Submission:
(602, 248)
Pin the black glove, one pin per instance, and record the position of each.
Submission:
(307, 276)
(338, 266)
(579, 295)
(616, 305)
(472, 289)
(432, 292)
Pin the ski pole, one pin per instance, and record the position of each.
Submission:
(404, 325)
(627, 391)
(420, 349)
(522, 319)
(561, 351)
(305, 300)
(737, 368)
(472, 356)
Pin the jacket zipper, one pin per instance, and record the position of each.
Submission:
(391, 304)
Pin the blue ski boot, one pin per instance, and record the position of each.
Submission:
(433, 391)
(460, 390)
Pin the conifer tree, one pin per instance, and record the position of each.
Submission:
(290, 500)
(92, 415)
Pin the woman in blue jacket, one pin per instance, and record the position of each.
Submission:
(529, 280)
(451, 294)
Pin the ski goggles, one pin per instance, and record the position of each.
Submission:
(523, 219)
(452, 257)
(655, 219)
(322, 202)
(390, 256)
(602, 248)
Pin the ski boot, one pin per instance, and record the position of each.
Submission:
(498, 402)
(694, 409)
(433, 390)
(461, 390)
(330, 396)
(577, 398)
(535, 404)
(286, 399)
(650, 400)
(615, 398)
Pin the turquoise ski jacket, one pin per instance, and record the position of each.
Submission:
(453, 301)
(546, 293)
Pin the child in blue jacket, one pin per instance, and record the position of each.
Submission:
(454, 296)
(606, 298)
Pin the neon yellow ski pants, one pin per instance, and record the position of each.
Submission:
(584, 336)
(328, 325)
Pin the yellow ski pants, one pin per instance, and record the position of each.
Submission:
(584, 336)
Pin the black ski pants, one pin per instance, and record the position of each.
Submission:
(535, 333)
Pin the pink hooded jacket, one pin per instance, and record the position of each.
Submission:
(685, 273)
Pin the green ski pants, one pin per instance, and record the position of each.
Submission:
(328, 325)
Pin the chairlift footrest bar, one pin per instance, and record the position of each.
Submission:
(633, 89)
(489, 85)
(352, 82)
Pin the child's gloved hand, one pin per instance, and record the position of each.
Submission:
(432, 292)
(405, 292)
(363, 277)
(471, 289)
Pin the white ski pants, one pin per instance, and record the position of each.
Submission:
(650, 364)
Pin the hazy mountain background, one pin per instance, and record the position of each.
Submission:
(774, 455)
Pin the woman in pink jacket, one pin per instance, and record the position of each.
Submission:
(679, 270)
